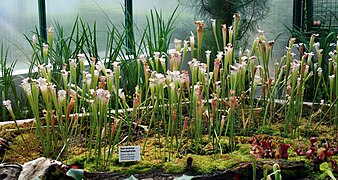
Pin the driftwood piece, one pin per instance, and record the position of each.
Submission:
(156, 174)
(35, 168)
(290, 170)
(10, 171)
(38, 168)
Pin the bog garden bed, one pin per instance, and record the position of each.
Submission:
(204, 123)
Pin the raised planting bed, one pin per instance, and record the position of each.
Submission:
(206, 123)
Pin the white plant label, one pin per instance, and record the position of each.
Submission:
(129, 153)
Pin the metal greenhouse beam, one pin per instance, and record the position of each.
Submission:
(297, 14)
(42, 19)
(128, 12)
(309, 19)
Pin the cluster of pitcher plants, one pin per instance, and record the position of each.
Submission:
(212, 101)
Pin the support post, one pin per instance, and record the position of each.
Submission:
(42, 19)
(309, 19)
(297, 14)
(129, 27)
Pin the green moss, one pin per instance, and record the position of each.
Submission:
(119, 167)
(174, 168)
(8, 135)
(77, 160)
(8, 126)
(243, 148)
(140, 167)
(89, 165)
(207, 164)
(201, 164)
(22, 151)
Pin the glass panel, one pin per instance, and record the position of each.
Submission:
(14, 24)
(100, 11)
(183, 24)
(274, 26)
(324, 12)
(18, 17)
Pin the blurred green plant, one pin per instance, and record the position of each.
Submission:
(320, 41)
(7, 84)
(319, 50)
(158, 31)
(59, 49)
(327, 171)
(81, 40)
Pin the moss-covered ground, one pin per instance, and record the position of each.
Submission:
(154, 157)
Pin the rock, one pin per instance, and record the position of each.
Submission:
(38, 168)
(10, 171)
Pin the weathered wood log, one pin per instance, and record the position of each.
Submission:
(290, 170)
(9, 171)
